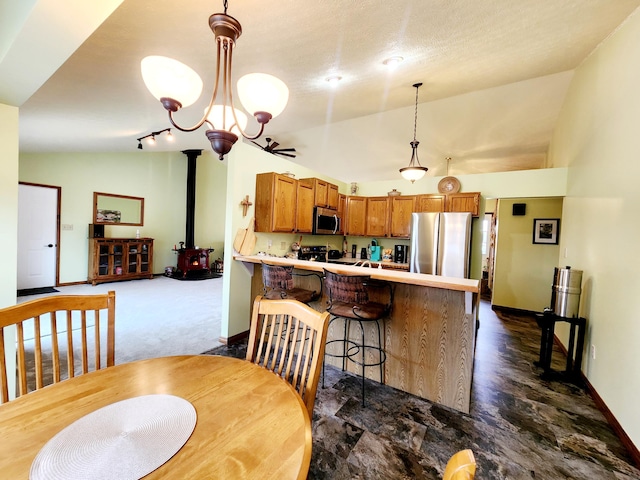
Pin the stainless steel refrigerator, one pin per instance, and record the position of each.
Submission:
(440, 244)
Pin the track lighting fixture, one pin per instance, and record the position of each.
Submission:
(151, 138)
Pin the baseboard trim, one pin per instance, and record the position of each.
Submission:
(69, 284)
(515, 311)
(602, 406)
(239, 338)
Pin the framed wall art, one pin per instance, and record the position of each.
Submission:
(546, 230)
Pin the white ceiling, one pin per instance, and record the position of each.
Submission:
(491, 69)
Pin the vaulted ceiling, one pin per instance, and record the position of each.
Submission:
(494, 74)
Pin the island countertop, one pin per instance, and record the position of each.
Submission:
(420, 279)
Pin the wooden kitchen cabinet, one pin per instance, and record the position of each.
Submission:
(115, 259)
(430, 203)
(332, 196)
(400, 216)
(304, 208)
(356, 216)
(464, 202)
(377, 216)
(276, 197)
(342, 212)
(325, 193)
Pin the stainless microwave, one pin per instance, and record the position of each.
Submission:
(325, 221)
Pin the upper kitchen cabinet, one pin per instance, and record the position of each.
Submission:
(304, 208)
(332, 196)
(377, 215)
(400, 218)
(325, 193)
(464, 202)
(356, 216)
(276, 197)
(342, 211)
(430, 203)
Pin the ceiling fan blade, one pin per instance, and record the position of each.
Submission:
(273, 145)
(285, 150)
(257, 144)
(284, 154)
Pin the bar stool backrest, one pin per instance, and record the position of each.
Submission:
(278, 277)
(346, 288)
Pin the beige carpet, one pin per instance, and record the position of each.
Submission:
(160, 317)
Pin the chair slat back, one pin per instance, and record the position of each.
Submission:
(288, 338)
(461, 466)
(49, 328)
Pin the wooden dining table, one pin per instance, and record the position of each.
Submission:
(250, 422)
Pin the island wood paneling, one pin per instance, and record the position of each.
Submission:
(430, 344)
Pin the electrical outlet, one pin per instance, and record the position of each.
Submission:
(67, 226)
(269, 243)
(283, 245)
(593, 352)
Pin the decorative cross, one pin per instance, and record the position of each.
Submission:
(245, 205)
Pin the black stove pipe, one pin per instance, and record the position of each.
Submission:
(192, 155)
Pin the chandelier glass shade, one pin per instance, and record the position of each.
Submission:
(176, 86)
(414, 171)
(227, 121)
(169, 78)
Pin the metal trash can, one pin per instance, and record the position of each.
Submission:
(566, 289)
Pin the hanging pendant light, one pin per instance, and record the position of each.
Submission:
(176, 86)
(414, 171)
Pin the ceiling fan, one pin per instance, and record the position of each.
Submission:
(271, 148)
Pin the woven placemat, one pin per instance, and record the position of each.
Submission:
(124, 440)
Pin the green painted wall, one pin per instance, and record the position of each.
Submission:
(8, 202)
(160, 178)
(523, 271)
(9, 223)
(597, 138)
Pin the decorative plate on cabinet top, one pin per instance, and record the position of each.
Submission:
(449, 185)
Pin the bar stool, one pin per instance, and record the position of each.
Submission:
(349, 300)
(277, 283)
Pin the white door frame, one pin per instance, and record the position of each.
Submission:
(59, 197)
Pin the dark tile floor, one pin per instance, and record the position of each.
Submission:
(519, 427)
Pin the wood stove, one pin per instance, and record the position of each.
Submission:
(193, 260)
(190, 257)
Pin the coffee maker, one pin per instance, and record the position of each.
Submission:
(401, 254)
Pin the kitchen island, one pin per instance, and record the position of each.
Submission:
(429, 335)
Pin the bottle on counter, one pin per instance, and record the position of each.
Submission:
(345, 247)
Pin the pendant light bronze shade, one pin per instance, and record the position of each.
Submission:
(414, 171)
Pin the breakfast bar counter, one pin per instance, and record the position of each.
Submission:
(429, 335)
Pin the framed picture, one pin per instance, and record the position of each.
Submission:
(546, 230)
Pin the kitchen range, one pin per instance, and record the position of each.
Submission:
(313, 253)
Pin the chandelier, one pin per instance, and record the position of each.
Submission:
(176, 86)
(414, 171)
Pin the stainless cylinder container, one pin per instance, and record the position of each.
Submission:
(566, 289)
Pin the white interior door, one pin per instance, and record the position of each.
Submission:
(37, 236)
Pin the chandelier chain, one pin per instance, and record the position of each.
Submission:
(225, 4)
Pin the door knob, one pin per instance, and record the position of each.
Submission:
(50, 245)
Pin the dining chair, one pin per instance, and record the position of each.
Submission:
(278, 283)
(48, 329)
(461, 466)
(287, 337)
